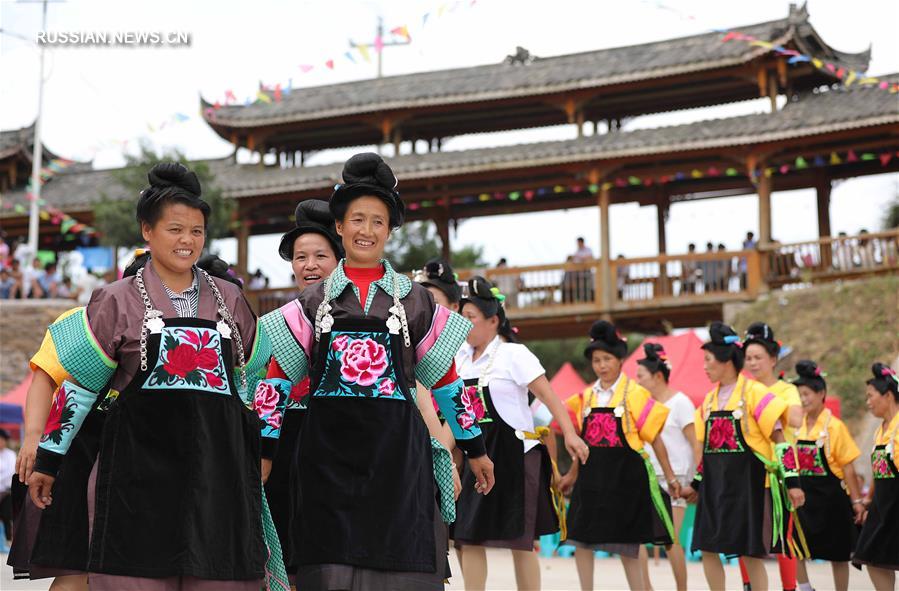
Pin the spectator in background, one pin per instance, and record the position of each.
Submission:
(19, 280)
(622, 274)
(30, 287)
(6, 284)
(64, 289)
(724, 271)
(583, 252)
(47, 283)
(569, 283)
(258, 280)
(4, 250)
(844, 252)
(507, 284)
(85, 286)
(709, 269)
(867, 255)
(689, 271)
(748, 244)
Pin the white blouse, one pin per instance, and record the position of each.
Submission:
(513, 369)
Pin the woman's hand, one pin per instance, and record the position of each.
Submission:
(40, 488)
(860, 511)
(576, 447)
(482, 468)
(689, 494)
(797, 497)
(457, 482)
(566, 482)
(25, 459)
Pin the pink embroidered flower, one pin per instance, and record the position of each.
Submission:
(213, 380)
(807, 457)
(274, 420)
(881, 465)
(386, 387)
(789, 460)
(340, 342)
(722, 434)
(181, 360)
(363, 362)
(266, 399)
(54, 420)
(465, 420)
(602, 430)
(472, 402)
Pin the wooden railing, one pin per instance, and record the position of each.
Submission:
(669, 280)
(829, 259)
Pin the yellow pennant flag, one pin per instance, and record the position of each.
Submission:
(818, 63)
(834, 159)
(261, 96)
(764, 44)
(851, 77)
(363, 51)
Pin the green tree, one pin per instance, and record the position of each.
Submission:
(114, 218)
(414, 244)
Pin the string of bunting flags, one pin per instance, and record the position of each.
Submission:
(800, 163)
(67, 224)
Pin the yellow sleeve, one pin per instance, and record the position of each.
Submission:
(842, 446)
(790, 395)
(46, 357)
(699, 421)
(766, 408)
(649, 415)
(575, 404)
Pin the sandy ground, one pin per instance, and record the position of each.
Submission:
(559, 574)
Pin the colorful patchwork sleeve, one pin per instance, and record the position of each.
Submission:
(269, 401)
(71, 404)
(649, 415)
(766, 409)
(460, 419)
(46, 357)
(290, 335)
(786, 458)
(435, 352)
(80, 353)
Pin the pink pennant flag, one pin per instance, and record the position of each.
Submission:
(830, 67)
(229, 97)
(840, 73)
(851, 157)
(329, 64)
(306, 68)
(885, 158)
(731, 35)
(784, 169)
(379, 44)
(217, 106)
(883, 85)
(278, 93)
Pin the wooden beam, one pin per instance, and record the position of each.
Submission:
(242, 233)
(605, 268)
(764, 192)
(661, 217)
(822, 190)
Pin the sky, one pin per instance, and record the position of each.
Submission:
(98, 97)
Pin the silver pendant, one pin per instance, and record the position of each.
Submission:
(223, 329)
(820, 442)
(619, 411)
(393, 324)
(155, 325)
(587, 411)
(327, 322)
(738, 414)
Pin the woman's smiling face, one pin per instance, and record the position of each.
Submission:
(364, 230)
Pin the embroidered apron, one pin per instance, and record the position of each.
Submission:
(612, 500)
(878, 543)
(366, 491)
(733, 514)
(827, 517)
(179, 487)
(499, 515)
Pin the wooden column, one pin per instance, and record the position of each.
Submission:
(605, 267)
(661, 216)
(242, 233)
(442, 224)
(822, 188)
(764, 190)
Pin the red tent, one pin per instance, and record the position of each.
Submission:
(13, 405)
(567, 382)
(686, 358)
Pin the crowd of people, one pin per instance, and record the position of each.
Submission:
(23, 276)
(354, 436)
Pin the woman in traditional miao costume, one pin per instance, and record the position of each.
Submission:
(679, 437)
(616, 502)
(313, 248)
(740, 429)
(761, 353)
(498, 373)
(179, 437)
(54, 542)
(833, 501)
(878, 542)
(368, 515)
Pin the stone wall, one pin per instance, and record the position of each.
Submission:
(22, 326)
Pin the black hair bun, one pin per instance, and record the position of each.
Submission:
(759, 331)
(314, 210)
(652, 351)
(722, 334)
(174, 174)
(605, 331)
(370, 169)
(807, 369)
